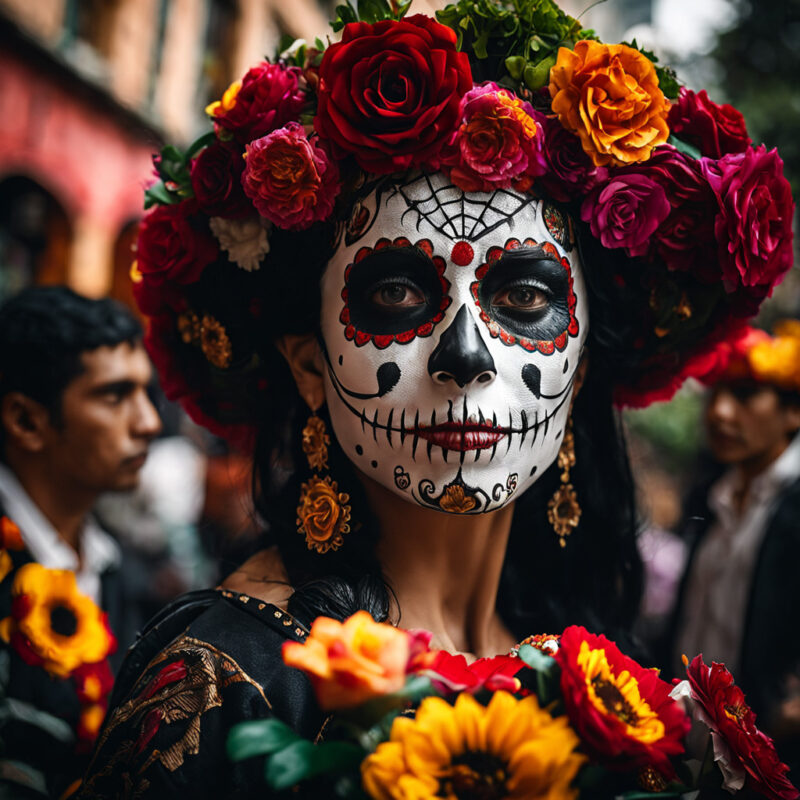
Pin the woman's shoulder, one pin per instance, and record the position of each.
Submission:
(210, 660)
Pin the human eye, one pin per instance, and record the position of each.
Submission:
(396, 293)
(525, 297)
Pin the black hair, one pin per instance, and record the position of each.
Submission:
(596, 580)
(43, 332)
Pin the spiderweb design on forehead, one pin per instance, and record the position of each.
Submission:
(451, 212)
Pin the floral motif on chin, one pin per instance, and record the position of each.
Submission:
(458, 497)
(545, 346)
(382, 341)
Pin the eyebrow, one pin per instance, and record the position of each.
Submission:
(123, 387)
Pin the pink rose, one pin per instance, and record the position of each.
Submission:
(170, 248)
(217, 182)
(626, 210)
(570, 172)
(290, 179)
(269, 97)
(713, 129)
(498, 142)
(753, 225)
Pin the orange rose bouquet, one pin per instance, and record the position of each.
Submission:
(567, 716)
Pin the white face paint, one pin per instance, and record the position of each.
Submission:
(453, 324)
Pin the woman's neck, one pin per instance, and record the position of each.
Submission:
(444, 570)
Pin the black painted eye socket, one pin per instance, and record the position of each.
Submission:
(526, 291)
(393, 290)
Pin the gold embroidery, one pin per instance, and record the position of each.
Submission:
(209, 672)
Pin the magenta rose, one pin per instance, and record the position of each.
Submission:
(753, 225)
(170, 248)
(713, 129)
(498, 143)
(626, 210)
(569, 173)
(290, 179)
(217, 181)
(390, 93)
(269, 97)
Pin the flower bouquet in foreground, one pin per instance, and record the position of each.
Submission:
(560, 717)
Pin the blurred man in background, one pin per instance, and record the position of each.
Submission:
(75, 420)
(740, 596)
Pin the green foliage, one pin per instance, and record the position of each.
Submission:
(173, 168)
(370, 11)
(548, 688)
(258, 737)
(513, 42)
(303, 760)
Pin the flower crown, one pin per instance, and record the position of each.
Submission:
(698, 219)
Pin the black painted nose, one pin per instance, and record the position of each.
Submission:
(461, 355)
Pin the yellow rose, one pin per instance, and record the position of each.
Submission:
(608, 95)
(350, 662)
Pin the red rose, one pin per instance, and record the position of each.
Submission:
(217, 182)
(622, 711)
(268, 98)
(390, 93)
(714, 130)
(724, 710)
(170, 248)
(753, 225)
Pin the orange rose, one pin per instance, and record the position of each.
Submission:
(608, 95)
(349, 663)
(323, 514)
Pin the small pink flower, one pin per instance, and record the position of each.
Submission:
(498, 142)
(290, 179)
(753, 226)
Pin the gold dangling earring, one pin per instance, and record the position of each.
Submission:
(323, 514)
(563, 511)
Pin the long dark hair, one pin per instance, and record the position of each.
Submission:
(595, 580)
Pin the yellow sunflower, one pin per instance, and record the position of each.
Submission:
(509, 749)
(52, 624)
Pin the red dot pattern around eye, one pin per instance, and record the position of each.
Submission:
(462, 254)
(382, 341)
(546, 347)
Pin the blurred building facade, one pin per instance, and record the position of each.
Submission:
(88, 91)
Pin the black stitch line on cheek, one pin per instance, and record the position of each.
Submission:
(389, 427)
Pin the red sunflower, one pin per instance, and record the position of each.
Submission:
(622, 711)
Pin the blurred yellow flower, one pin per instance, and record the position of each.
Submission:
(509, 749)
(52, 623)
(608, 95)
(350, 662)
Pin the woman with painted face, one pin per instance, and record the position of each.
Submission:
(418, 297)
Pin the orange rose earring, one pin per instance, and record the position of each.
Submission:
(563, 511)
(323, 514)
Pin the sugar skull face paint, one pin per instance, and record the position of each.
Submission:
(453, 326)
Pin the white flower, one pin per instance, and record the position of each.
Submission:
(244, 240)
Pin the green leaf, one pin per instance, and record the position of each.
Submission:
(303, 760)
(159, 195)
(668, 82)
(684, 147)
(198, 144)
(258, 738)
(536, 659)
(537, 75)
(515, 65)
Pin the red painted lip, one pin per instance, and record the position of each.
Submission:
(459, 437)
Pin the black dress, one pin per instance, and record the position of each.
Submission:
(210, 660)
